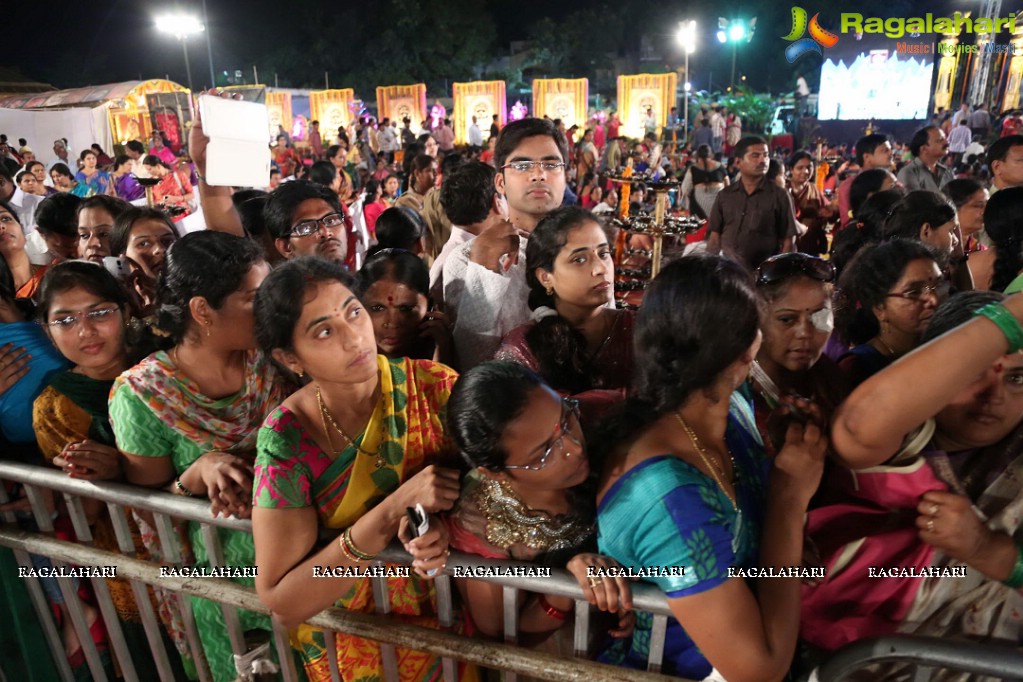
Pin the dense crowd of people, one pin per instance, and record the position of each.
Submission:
(828, 376)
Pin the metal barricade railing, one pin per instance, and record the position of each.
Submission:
(165, 508)
(921, 652)
(924, 654)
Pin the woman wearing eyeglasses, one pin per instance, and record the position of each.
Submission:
(526, 498)
(85, 312)
(796, 322)
(889, 294)
(361, 442)
(575, 341)
(686, 482)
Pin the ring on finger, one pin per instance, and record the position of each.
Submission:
(933, 509)
(594, 581)
(930, 525)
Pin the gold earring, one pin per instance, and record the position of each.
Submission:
(550, 290)
(300, 373)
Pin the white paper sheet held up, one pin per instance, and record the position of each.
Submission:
(238, 154)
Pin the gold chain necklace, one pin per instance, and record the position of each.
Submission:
(326, 415)
(326, 431)
(891, 351)
(712, 467)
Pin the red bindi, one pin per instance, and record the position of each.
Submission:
(999, 367)
(390, 299)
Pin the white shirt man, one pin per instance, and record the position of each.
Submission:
(975, 148)
(387, 139)
(963, 113)
(475, 134)
(959, 138)
(484, 280)
(60, 156)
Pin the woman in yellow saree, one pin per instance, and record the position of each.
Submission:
(350, 451)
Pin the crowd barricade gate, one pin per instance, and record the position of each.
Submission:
(165, 508)
(926, 653)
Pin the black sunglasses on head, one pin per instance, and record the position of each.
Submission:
(786, 265)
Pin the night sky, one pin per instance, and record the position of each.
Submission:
(71, 44)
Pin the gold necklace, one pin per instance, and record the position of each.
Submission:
(891, 351)
(326, 415)
(326, 431)
(712, 467)
(510, 521)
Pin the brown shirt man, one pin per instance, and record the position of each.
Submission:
(752, 219)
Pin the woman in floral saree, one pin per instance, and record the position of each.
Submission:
(350, 451)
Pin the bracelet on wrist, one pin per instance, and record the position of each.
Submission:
(348, 548)
(1015, 579)
(200, 176)
(345, 552)
(182, 489)
(552, 611)
(1006, 322)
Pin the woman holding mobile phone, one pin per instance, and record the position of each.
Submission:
(352, 450)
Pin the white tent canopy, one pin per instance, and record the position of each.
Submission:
(82, 126)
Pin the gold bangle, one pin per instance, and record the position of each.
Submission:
(343, 544)
(347, 535)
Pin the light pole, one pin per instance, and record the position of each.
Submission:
(209, 47)
(687, 39)
(735, 31)
(181, 26)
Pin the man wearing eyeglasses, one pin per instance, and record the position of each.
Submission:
(306, 219)
(489, 272)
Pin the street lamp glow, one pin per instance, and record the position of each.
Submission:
(179, 25)
(688, 86)
(722, 38)
(736, 32)
(687, 36)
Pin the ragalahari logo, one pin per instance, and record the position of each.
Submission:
(817, 39)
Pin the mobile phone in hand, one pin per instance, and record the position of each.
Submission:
(118, 267)
(418, 520)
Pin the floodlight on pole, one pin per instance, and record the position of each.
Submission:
(735, 31)
(687, 39)
(181, 26)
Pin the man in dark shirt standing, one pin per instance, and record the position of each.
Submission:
(752, 219)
